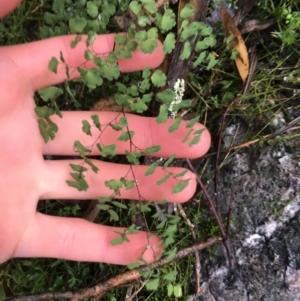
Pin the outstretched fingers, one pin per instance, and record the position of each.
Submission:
(147, 133)
(80, 240)
(145, 187)
(33, 58)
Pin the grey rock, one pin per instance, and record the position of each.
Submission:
(265, 231)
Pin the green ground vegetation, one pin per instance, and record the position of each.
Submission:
(272, 100)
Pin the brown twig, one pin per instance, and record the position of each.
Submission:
(285, 128)
(102, 288)
(288, 127)
(130, 297)
(245, 7)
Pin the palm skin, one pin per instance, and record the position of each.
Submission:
(26, 178)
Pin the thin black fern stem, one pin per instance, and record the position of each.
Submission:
(224, 234)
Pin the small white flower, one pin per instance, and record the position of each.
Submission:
(179, 88)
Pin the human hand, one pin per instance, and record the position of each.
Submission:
(27, 178)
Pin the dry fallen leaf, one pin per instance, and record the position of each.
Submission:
(122, 21)
(244, 7)
(252, 68)
(252, 25)
(237, 43)
(109, 104)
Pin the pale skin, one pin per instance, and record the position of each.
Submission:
(26, 178)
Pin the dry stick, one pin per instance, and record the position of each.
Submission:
(288, 127)
(102, 288)
(136, 292)
(285, 128)
(245, 7)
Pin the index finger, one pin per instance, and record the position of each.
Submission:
(33, 58)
